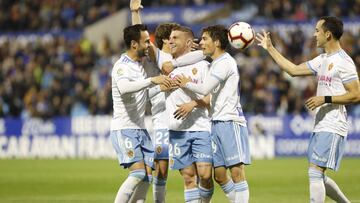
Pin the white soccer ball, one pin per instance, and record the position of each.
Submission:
(241, 35)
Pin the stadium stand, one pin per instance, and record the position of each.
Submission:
(54, 75)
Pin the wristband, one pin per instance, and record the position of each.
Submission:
(328, 99)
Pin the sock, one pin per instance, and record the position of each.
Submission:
(206, 194)
(139, 194)
(317, 187)
(333, 191)
(242, 192)
(159, 190)
(229, 190)
(192, 195)
(127, 188)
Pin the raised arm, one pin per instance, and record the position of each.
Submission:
(285, 65)
(135, 7)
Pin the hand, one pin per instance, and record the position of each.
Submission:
(161, 80)
(184, 110)
(195, 45)
(314, 102)
(182, 80)
(167, 67)
(135, 5)
(173, 86)
(264, 39)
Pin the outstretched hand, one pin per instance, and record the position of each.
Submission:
(264, 39)
(162, 80)
(135, 5)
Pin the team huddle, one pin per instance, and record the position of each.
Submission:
(199, 126)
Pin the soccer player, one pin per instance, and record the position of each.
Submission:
(160, 54)
(229, 131)
(190, 142)
(129, 92)
(338, 85)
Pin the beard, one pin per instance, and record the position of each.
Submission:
(142, 52)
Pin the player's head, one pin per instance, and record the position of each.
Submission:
(137, 38)
(162, 33)
(181, 40)
(214, 38)
(328, 28)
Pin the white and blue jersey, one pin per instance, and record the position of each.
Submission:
(128, 135)
(190, 139)
(332, 71)
(225, 100)
(129, 109)
(327, 143)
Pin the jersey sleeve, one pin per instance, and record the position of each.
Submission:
(162, 57)
(347, 72)
(221, 70)
(314, 64)
(119, 72)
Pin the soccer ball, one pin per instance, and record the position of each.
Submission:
(241, 35)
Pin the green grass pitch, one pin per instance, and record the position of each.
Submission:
(279, 181)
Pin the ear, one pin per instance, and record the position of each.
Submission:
(328, 35)
(134, 44)
(217, 43)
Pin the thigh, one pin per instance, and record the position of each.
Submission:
(326, 149)
(127, 145)
(201, 146)
(234, 142)
(161, 144)
(179, 150)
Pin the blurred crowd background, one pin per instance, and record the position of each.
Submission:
(53, 75)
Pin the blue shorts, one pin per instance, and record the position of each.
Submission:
(161, 144)
(230, 143)
(132, 145)
(326, 149)
(187, 147)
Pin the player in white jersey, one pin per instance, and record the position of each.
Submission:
(160, 54)
(229, 131)
(338, 85)
(190, 143)
(128, 134)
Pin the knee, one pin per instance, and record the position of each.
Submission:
(221, 178)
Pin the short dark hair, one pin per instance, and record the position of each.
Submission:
(334, 25)
(133, 32)
(186, 30)
(218, 32)
(162, 32)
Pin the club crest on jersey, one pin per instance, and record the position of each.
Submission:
(194, 71)
(120, 72)
(331, 65)
(130, 153)
(171, 161)
(158, 149)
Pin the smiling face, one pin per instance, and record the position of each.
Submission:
(180, 43)
(143, 44)
(207, 44)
